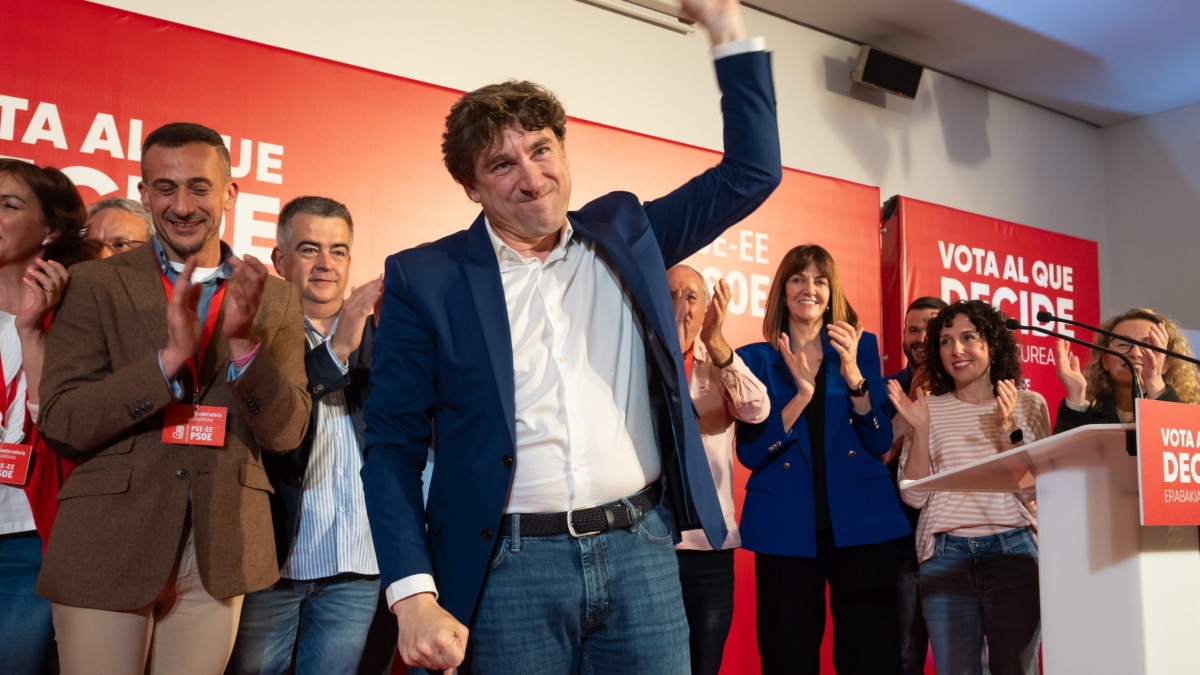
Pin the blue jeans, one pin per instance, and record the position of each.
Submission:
(25, 620)
(608, 603)
(323, 623)
(707, 581)
(977, 588)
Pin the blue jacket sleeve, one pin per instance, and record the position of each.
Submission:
(692, 215)
(399, 431)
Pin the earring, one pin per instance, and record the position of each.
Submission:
(46, 241)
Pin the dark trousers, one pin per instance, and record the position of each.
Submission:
(707, 581)
(863, 603)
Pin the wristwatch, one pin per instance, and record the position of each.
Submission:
(861, 389)
(1016, 436)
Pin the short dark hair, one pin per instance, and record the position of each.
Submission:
(478, 118)
(989, 323)
(322, 207)
(926, 302)
(62, 209)
(794, 262)
(179, 134)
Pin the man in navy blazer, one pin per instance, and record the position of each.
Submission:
(537, 353)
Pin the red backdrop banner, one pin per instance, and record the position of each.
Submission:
(940, 251)
(82, 84)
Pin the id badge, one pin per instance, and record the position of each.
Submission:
(14, 463)
(194, 425)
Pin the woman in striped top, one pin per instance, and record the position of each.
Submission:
(977, 553)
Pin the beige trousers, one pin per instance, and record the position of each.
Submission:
(184, 631)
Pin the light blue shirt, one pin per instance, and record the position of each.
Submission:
(333, 536)
(208, 290)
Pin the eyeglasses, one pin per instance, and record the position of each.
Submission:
(1122, 346)
(122, 245)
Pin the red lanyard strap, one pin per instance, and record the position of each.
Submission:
(210, 327)
(10, 394)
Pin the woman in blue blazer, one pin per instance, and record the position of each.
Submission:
(820, 505)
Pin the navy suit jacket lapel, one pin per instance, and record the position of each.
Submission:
(487, 292)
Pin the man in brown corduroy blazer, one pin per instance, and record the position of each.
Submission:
(157, 536)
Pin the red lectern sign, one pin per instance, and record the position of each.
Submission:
(1169, 462)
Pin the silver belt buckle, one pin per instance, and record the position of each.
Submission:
(571, 523)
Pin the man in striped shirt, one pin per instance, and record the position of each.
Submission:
(321, 609)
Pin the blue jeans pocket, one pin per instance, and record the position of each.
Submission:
(500, 555)
(656, 529)
(1019, 543)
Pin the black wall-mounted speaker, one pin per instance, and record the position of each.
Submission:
(890, 73)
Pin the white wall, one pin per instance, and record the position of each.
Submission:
(956, 144)
(1153, 201)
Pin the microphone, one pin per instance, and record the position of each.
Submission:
(1013, 324)
(1047, 317)
(1131, 437)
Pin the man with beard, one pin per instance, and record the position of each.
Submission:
(169, 371)
(537, 352)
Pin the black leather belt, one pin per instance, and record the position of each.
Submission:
(588, 520)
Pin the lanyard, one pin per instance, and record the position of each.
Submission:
(10, 393)
(210, 327)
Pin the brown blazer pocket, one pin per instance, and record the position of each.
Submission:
(253, 476)
(100, 482)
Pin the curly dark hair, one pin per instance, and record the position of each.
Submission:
(479, 118)
(989, 322)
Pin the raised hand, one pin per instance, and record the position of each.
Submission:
(1006, 403)
(722, 19)
(844, 339)
(914, 411)
(1066, 365)
(682, 319)
(43, 287)
(805, 376)
(1153, 363)
(183, 323)
(429, 637)
(243, 295)
(353, 318)
(719, 351)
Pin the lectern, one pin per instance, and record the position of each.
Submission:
(1117, 598)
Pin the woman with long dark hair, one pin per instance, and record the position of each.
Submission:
(820, 506)
(977, 552)
(41, 218)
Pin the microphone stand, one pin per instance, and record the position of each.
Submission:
(1130, 437)
(1047, 317)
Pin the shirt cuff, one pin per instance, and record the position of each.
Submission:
(754, 44)
(236, 368)
(175, 388)
(344, 367)
(409, 586)
(1072, 406)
